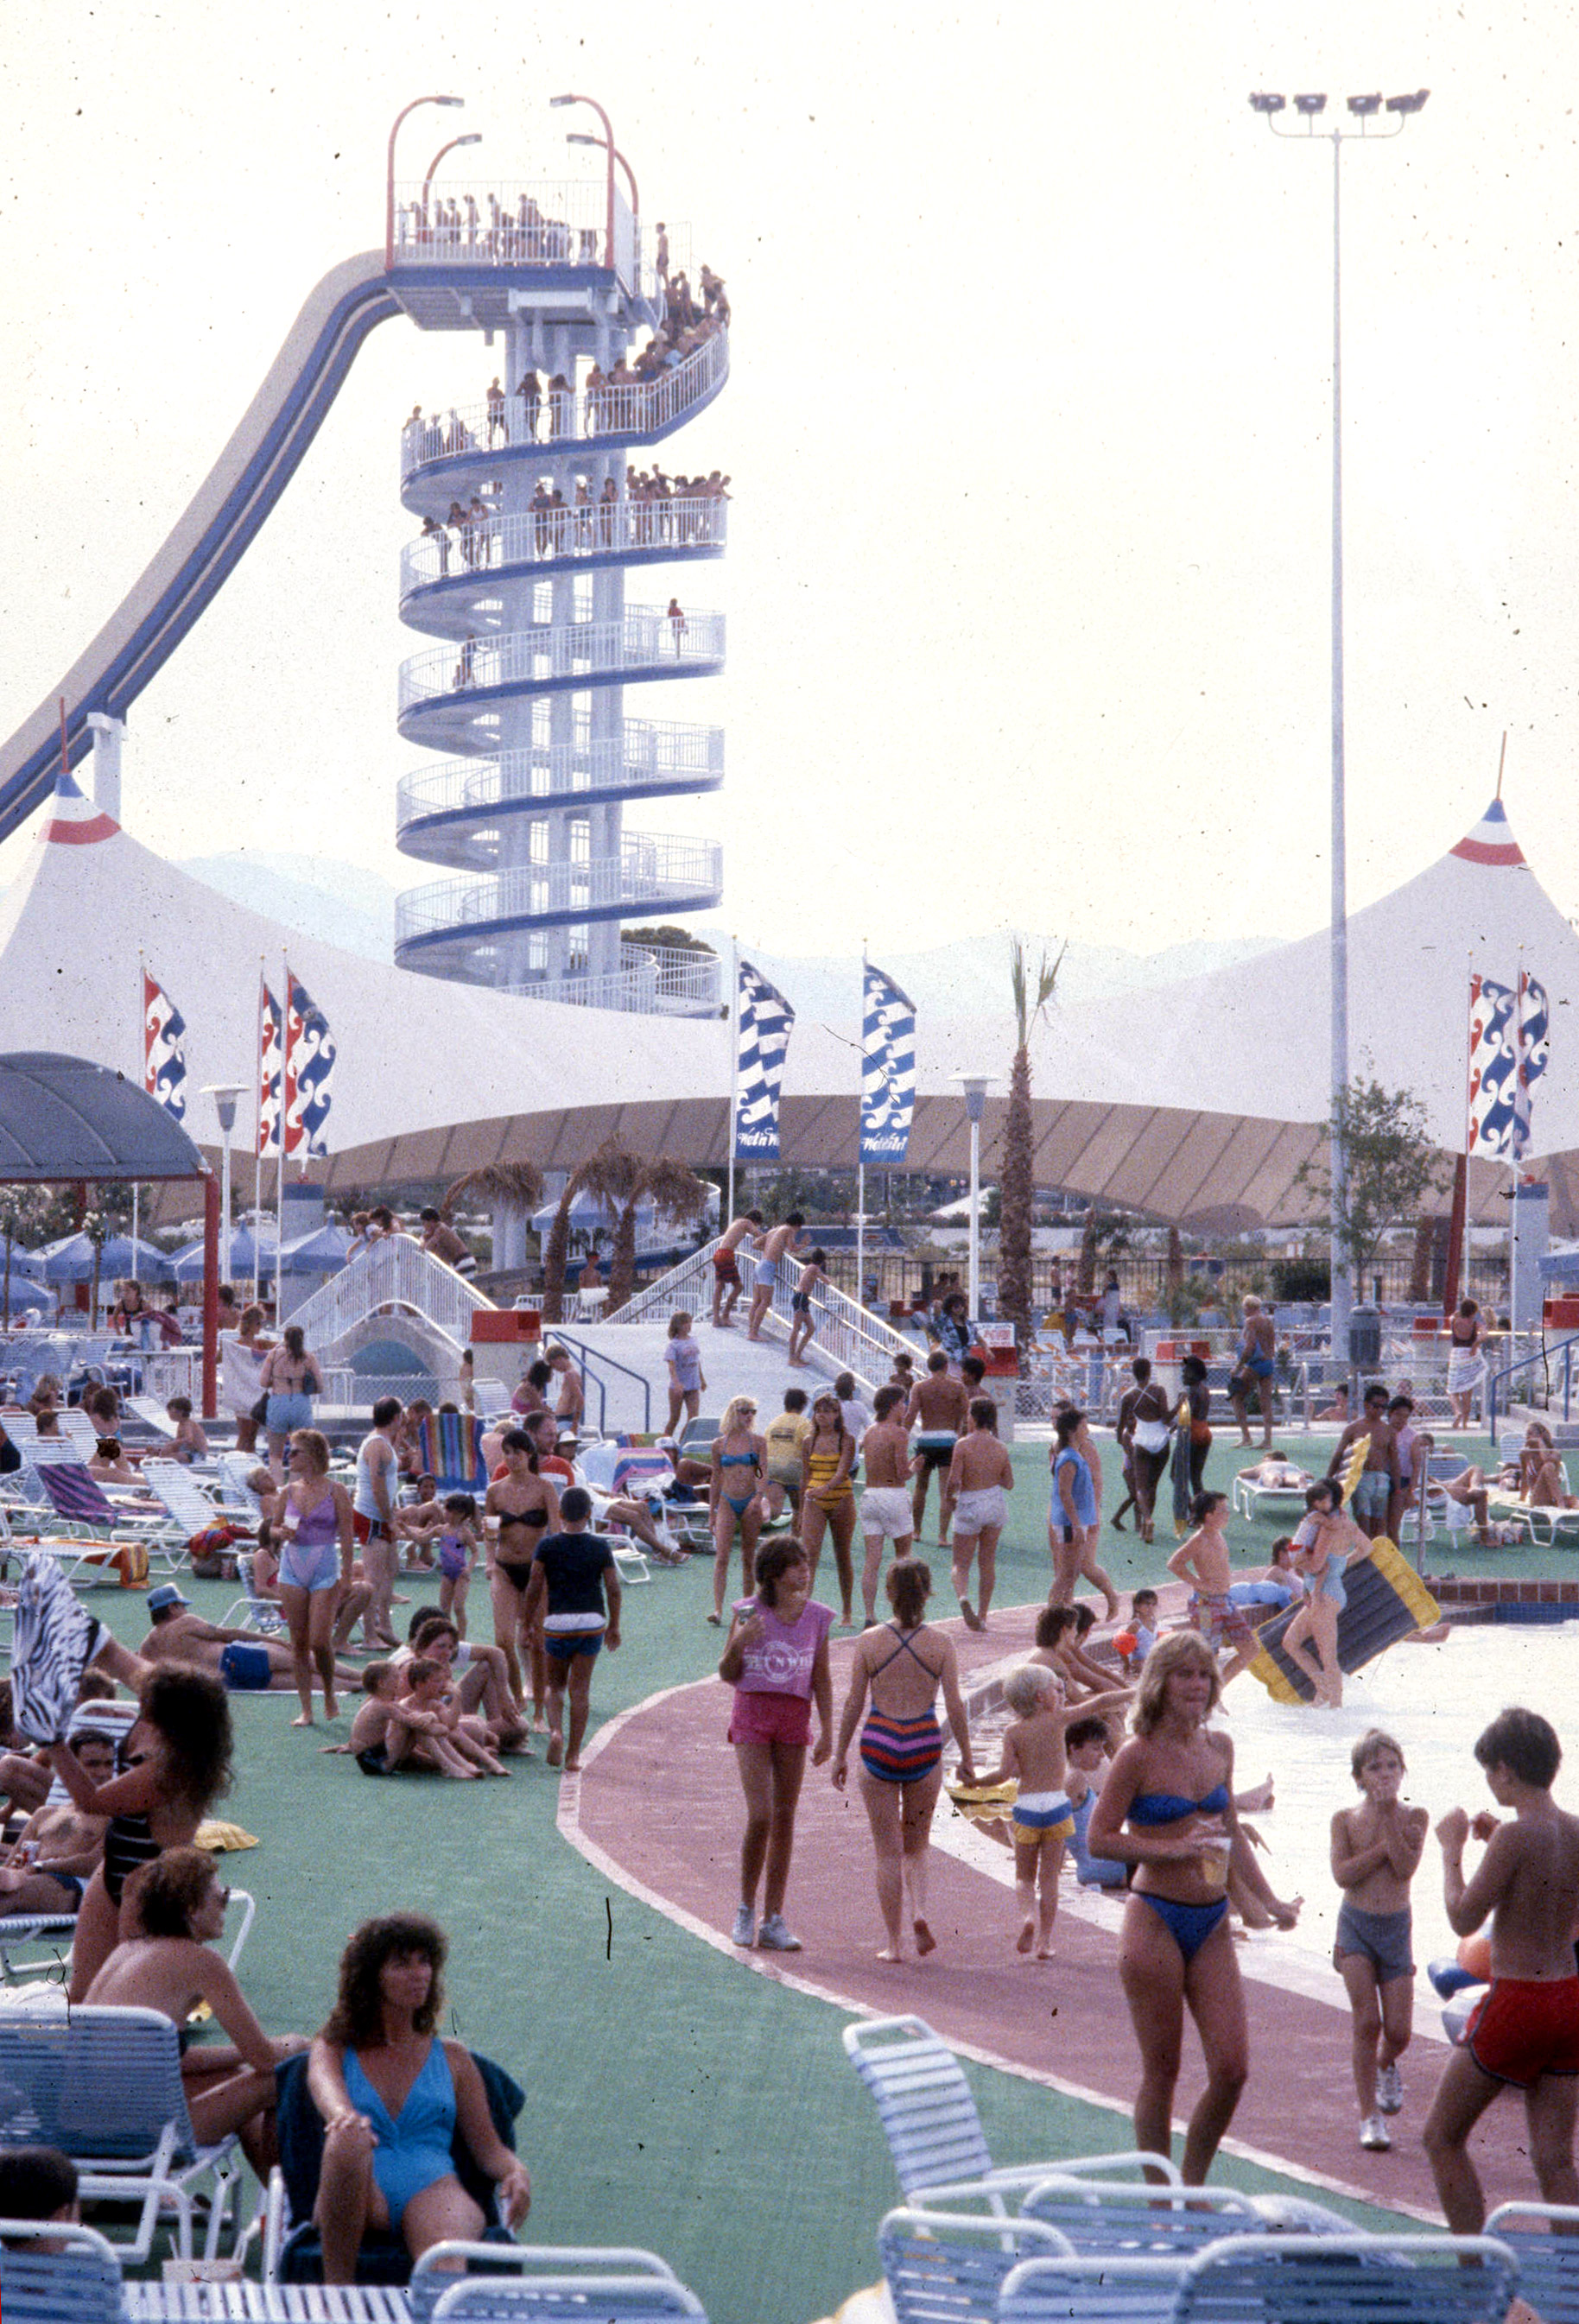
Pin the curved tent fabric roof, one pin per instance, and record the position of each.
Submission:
(1196, 1102)
(63, 1118)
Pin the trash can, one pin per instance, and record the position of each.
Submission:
(1365, 1337)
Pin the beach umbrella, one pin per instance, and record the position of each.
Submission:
(72, 1260)
(188, 1261)
(322, 1252)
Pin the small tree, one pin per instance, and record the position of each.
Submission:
(607, 1177)
(500, 1184)
(1017, 1179)
(1392, 1164)
(669, 1186)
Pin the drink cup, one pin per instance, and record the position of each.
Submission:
(1215, 1851)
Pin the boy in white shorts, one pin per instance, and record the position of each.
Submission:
(885, 1503)
(980, 1473)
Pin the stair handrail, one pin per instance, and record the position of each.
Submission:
(590, 1361)
(1538, 1352)
(856, 1339)
(659, 1299)
(392, 1272)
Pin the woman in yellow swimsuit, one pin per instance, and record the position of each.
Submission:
(827, 1501)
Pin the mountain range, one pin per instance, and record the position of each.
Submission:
(347, 905)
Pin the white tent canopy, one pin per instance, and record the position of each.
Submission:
(1196, 1102)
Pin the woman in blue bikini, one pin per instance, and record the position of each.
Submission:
(739, 1459)
(392, 2094)
(901, 1664)
(1167, 1808)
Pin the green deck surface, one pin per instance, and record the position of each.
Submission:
(672, 2101)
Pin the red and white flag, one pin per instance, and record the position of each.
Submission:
(271, 1071)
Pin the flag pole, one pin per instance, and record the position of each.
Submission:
(1513, 1143)
(284, 1111)
(143, 1019)
(258, 1134)
(861, 1149)
(733, 1065)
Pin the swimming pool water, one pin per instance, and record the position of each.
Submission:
(1433, 1699)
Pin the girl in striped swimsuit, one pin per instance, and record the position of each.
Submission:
(901, 1666)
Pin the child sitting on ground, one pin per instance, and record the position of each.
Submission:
(191, 1444)
(1057, 1631)
(1089, 1748)
(393, 1731)
(457, 1555)
(1376, 1850)
(428, 1694)
(1041, 1819)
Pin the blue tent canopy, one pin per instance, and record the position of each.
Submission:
(188, 1261)
(62, 1118)
(71, 1260)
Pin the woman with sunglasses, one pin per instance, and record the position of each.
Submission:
(175, 1912)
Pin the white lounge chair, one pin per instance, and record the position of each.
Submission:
(104, 2085)
(1349, 2279)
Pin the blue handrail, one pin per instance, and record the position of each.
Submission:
(1564, 1348)
(579, 1348)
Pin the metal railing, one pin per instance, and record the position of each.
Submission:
(1537, 1362)
(688, 1287)
(647, 872)
(566, 415)
(543, 536)
(647, 639)
(559, 222)
(592, 1368)
(392, 1273)
(850, 1337)
(651, 982)
(651, 753)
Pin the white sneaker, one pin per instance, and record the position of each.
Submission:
(1390, 2090)
(774, 1936)
(1373, 2134)
(745, 1931)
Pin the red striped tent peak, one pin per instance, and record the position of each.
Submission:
(74, 818)
(1491, 841)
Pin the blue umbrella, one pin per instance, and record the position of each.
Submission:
(323, 1253)
(188, 1261)
(26, 1266)
(71, 1261)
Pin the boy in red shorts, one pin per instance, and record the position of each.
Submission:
(1525, 2033)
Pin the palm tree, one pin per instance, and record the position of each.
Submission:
(669, 1187)
(607, 1175)
(500, 1185)
(1017, 1177)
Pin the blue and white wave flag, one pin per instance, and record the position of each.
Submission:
(765, 1019)
(887, 1068)
(164, 1054)
(310, 1069)
(1508, 1049)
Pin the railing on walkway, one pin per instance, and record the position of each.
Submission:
(657, 754)
(689, 1286)
(1535, 1364)
(545, 536)
(558, 221)
(647, 872)
(392, 1273)
(659, 981)
(565, 416)
(848, 1336)
(591, 1369)
(648, 638)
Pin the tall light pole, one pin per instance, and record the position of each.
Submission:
(389, 172)
(975, 1087)
(581, 137)
(225, 1095)
(473, 137)
(1366, 112)
(608, 139)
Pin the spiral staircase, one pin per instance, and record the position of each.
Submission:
(524, 697)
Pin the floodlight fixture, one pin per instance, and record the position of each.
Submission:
(1409, 104)
(1365, 105)
(1263, 102)
(1310, 104)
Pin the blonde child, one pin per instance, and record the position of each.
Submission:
(191, 1444)
(1042, 1818)
(1376, 1849)
(393, 1731)
(457, 1555)
(426, 1727)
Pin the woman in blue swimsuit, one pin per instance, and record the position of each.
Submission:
(1167, 1808)
(317, 1544)
(392, 2095)
(901, 1664)
(740, 1465)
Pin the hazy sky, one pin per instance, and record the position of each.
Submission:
(1027, 424)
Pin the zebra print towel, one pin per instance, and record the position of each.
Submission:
(55, 1639)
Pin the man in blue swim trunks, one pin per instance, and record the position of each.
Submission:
(246, 1662)
(1253, 1364)
(1379, 1479)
